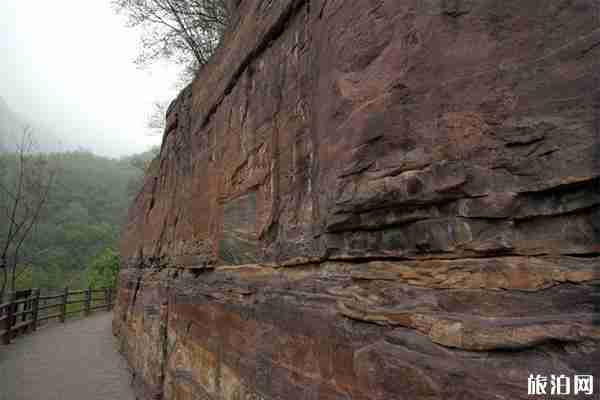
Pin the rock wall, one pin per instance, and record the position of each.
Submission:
(375, 199)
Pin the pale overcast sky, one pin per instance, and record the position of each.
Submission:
(68, 65)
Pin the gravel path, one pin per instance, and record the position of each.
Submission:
(73, 361)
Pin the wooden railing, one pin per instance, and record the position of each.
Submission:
(28, 309)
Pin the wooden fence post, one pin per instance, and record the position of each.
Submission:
(14, 308)
(25, 307)
(108, 299)
(63, 305)
(8, 322)
(13, 320)
(36, 309)
(88, 302)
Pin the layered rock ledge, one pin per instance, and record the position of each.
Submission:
(378, 199)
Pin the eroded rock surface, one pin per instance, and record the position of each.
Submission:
(378, 199)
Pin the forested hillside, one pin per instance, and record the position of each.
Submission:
(74, 242)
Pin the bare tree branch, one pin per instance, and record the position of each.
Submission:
(24, 196)
(184, 31)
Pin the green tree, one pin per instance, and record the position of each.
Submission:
(24, 192)
(86, 209)
(184, 31)
(103, 269)
(141, 162)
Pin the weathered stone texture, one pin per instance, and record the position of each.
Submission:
(378, 199)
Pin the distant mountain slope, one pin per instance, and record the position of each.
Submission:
(10, 127)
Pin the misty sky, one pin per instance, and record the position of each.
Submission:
(67, 65)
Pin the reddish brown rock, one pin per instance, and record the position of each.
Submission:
(374, 200)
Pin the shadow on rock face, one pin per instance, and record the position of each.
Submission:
(596, 166)
(595, 98)
(596, 159)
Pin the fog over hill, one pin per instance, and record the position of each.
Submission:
(10, 126)
(13, 125)
(96, 97)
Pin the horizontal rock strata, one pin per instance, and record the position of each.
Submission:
(379, 199)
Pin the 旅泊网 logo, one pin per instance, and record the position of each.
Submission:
(560, 385)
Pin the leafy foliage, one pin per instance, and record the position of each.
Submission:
(24, 192)
(82, 219)
(184, 31)
(103, 269)
(141, 162)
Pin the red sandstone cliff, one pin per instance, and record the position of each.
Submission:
(375, 199)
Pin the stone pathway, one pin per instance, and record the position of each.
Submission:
(73, 361)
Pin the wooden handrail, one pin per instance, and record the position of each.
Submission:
(57, 296)
(23, 301)
(22, 315)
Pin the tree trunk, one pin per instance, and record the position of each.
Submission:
(4, 280)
